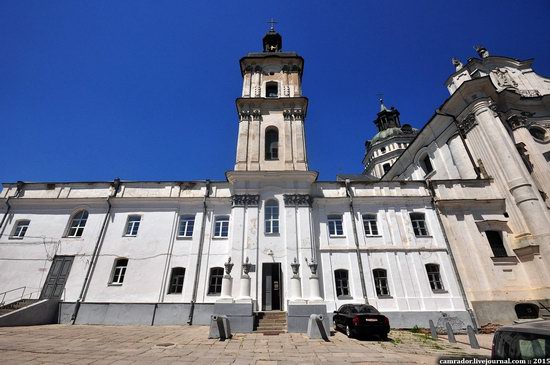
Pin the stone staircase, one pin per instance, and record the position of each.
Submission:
(271, 323)
(22, 303)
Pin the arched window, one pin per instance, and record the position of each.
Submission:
(426, 164)
(20, 228)
(386, 167)
(271, 217)
(369, 223)
(271, 89)
(419, 224)
(272, 144)
(381, 282)
(176, 280)
(119, 271)
(342, 282)
(434, 277)
(78, 222)
(538, 133)
(215, 283)
(496, 243)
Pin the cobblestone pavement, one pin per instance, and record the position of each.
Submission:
(63, 344)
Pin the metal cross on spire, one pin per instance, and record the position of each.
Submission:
(272, 24)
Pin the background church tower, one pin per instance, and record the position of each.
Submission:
(271, 110)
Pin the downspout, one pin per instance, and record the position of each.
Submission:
(199, 254)
(463, 139)
(356, 239)
(95, 254)
(17, 192)
(453, 262)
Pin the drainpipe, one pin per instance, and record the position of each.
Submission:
(463, 139)
(95, 254)
(354, 226)
(17, 192)
(453, 262)
(199, 254)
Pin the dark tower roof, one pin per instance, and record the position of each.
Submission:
(387, 118)
(272, 41)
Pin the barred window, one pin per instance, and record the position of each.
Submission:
(342, 282)
(78, 222)
(176, 280)
(369, 222)
(187, 223)
(434, 277)
(419, 224)
(215, 283)
(335, 227)
(272, 217)
(381, 282)
(132, 226)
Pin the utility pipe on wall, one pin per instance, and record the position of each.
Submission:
(17, 192)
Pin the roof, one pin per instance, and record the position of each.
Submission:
(535, 327)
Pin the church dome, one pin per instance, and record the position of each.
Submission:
(385, 134)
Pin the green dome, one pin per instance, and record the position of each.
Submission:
(385, 134)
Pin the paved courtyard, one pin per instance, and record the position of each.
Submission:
(63, 344)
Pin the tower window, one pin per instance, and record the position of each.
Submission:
(383, 150)
(538, 133)
(271, 89)
(381, 282)
(272, 217)
(272, 144)
(386, 167)
(215, 283)
(176, 280)
(496, 243)
(342, 282)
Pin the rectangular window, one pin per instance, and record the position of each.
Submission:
(434, 277)
(335, 227)
(342, 282)
(132, 226)
(419, 224)
(20, 229)
(496, 243)
(221, 227)
(215, 284)
(271, 217)
(176, 280)
(369, 222)
(119, 271)
(381, 282)
(187, 223)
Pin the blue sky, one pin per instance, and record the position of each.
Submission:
(145, 90)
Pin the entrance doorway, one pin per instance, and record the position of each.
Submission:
(272, 298)
(57, 277)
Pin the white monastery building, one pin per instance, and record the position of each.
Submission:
(449, 223)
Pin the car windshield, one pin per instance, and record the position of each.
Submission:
(517, 345)
(363, 309)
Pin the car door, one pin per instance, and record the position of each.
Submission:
(340, 322)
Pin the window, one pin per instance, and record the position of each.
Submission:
(369, 222)
(342, 283)
(386, 167)
(272, 144)
(133, 225)
(78, 223)
(119, 271)
(176, 280)
(187, 223)
(383, 150)
(434, 277)
(419, 224)
(272, 217)
(20, 229)
(271, 89)
(335, 225)
(426, 164)
(381, 282)
(215, 284)
(538, 133)
(221, 227)
(496, 243)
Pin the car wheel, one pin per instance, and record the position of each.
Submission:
(348, 332)
(384, 337)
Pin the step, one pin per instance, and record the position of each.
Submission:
(271, 333)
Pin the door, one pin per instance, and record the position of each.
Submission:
(57, 277)
(272, 286)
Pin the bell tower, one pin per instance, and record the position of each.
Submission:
(271, 109)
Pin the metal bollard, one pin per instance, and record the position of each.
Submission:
(219, 327)
(450, 334)
(433, 330)
(316, 327)
(472, 337)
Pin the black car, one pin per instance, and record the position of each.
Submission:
(525, 341)
(361, 319)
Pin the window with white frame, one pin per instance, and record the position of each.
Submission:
(419, 224)
(335, 227)
(434, 277)
(78, 222)
(221, 227)
(215, 283)
(20, 229)
(176, 280)
(381, 282)
(271, 217)
(341, 279)
(187, 223)
(119, 271)
(369, 222)
(132, 226)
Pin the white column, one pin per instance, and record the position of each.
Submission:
(460, 158)
(314, 285)
(227, 285)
